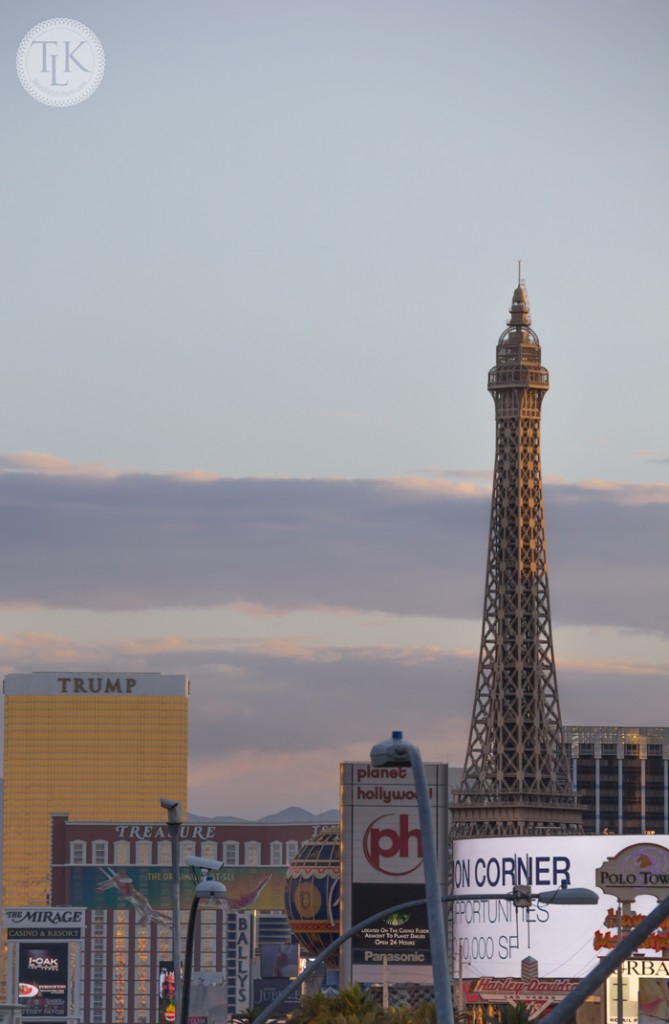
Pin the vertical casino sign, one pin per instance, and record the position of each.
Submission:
(383, 866)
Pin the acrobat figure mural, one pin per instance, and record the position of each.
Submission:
(123, 883)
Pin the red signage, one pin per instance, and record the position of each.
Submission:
(391, 846)
(538, 994)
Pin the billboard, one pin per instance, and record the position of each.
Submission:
(567, 941)
(266, 990)
(167, 1009)
(402, 937)
(383, 866)
(149, 889)
(43, 979)
(278, 960)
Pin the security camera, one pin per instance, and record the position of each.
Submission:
(209, 888)
(173, 808)
(206, 863)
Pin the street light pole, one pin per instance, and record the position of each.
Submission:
(173, 808)
(208, 888)
(396, 751)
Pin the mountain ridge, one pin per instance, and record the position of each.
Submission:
(288, 816)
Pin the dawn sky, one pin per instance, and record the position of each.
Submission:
(251, 290)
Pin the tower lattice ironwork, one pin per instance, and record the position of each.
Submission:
(516, 778)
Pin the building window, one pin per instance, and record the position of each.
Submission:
(121, 852)
(210, 850)
(609, 749)
(144, 853)
(276, 853)
(77, 852)
(252, 853)
(230, 854)
(100, 852)
(586, 749)
(291, 850)
(655, 750)
(164, 853)
(186, 849)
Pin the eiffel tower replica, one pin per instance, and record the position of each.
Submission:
(516, 777)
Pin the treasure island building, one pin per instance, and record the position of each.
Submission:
(98, 746)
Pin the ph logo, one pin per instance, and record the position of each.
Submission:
(394, 848)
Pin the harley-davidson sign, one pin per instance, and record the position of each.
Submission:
(538, 994)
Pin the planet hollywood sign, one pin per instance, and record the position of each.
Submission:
(387, 842)
(380, 791)
(382, 866)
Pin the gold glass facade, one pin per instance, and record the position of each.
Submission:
(98, 752)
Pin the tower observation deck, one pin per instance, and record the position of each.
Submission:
(515, 779)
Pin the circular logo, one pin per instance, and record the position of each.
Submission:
(60, 62)
(394, 849)
(307, 900)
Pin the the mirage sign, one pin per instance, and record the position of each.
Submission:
(45, 922)
(565, 940)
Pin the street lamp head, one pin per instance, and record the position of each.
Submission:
(567, 897)
(210, 889)
(392, 752)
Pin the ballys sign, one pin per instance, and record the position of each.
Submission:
(392, 846)
(636, 870)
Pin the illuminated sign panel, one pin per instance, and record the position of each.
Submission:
(43, 979)
(567, 941)
(167, 1010)
(383, 866)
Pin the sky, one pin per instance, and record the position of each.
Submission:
(250, 290)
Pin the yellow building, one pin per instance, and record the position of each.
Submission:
(98, 746)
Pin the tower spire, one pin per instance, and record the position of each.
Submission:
(515, 778)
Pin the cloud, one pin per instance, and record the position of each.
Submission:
(270, 722)
(659, 458)
(407, 547)
(39, 462)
